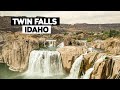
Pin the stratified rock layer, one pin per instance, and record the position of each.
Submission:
(16, 53)
(69, 55)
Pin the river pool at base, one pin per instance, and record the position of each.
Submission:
(5, 73)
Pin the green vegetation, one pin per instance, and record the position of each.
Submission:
(89, 39)
(112, 33)
(65, 33)
(105, 34)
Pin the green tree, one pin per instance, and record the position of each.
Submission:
(113, 33)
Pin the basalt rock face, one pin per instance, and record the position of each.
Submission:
(108, 69)
(15, 52)
(69, 55)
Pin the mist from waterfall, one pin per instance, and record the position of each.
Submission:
(44, 64)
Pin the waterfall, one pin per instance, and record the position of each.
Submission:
(89, 71)
(74, 72)
(44, 63)
(61, 45)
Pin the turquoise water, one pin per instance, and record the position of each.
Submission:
(5, 73)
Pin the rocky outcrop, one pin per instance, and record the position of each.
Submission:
(69, 54)
(108, 69)
(110, 45)
(69, 41)
(89, 60)
(15, 51)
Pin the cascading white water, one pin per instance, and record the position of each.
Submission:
(44, 63)
(89, 71)
(76, 67)
(90, 49)
(74, 72)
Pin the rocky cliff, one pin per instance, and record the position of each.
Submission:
(108, 69)
(15, 51)
(89, 60)
(69, 54)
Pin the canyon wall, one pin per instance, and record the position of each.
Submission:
(15, 51)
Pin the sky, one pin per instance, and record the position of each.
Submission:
(72, 17)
